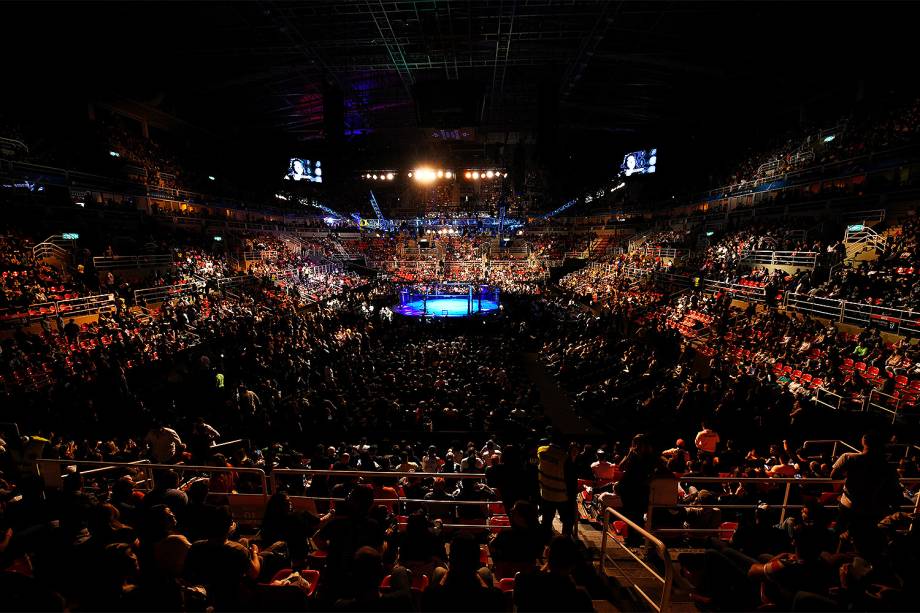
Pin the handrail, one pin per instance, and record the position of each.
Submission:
(823, 390)
(807, 259)
(667, 582)
(165, 292)
(149, 467)
(836, 443)
(900, 321)
(662, 252)
(71, 307)
(15, 142)
(876, 402)
(121, 262)
(263, 254)
(375, 473)
(748, 292)
(788, 481)
(223, 282)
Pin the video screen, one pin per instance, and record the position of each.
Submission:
(639, 162)
(300, 169)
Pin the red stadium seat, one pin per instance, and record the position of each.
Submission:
(727, 530)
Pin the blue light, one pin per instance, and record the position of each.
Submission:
(828, 139)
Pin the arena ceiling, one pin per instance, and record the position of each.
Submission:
(618, 67)
(608, 65)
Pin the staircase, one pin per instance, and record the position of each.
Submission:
(862, 243)
(638, 241)
(598, 248)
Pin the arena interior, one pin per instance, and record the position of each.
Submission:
(388, 306)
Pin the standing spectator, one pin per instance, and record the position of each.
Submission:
(553, 589)
(467, 586)
(707, 441)
(603, 470)
(163, 443)
(72, 331)
(639, 467)
(222, 564)
(557, 486)
(871, 490)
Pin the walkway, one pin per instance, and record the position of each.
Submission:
(555, 401)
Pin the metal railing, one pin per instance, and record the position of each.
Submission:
(267, 254)
(246, 508)
(664, 602)
(55, 246)
(662, 252)
(122, 262)
(153, 295)
(745, 292)
(836, 445)
(886, 403)
(786, 483)
(12, 144)
(73, 307)
(399, 504)
(864, 217)
(894, 320)
(804, 259)
(828, 398)
(224, 282)
(863, 236)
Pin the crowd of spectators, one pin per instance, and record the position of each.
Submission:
(853, 136)
(889, 280)
(296, 382)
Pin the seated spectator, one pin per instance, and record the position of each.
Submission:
(518, 548)
(367, 575)
(420, 549)
(221, 564)
(466, 585)
(604, 470)
(553, 588)
(350, 529)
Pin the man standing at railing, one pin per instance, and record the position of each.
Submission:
(872, 489)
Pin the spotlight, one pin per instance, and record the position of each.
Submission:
(410, 174)
(468, 174)
(489, 174)
(424, 175)
(448, 174)
(375, 177)
(440, 174)
(505, 175)
(476, 174)
(389, 176)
